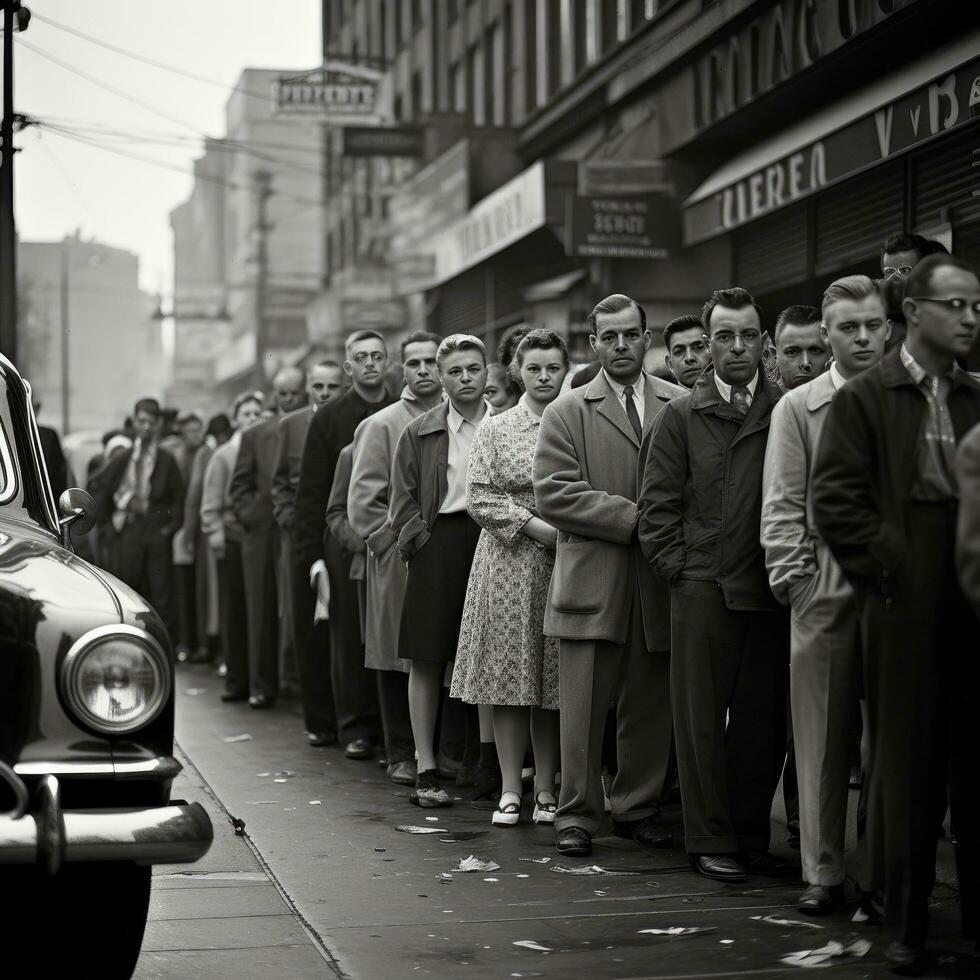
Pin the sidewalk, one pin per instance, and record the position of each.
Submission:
(223, 918)
(386, 903)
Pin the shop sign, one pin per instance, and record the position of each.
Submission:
(507, 215)
(789, 37)
(929, 111)
(382, 141)
(336, 92)
(641, 227)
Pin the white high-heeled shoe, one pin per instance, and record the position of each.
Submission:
(508, 810)
(544, 812)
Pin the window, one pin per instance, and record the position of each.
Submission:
(478, 85)
(457, 85)
(497, 77)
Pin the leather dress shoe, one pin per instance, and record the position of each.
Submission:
(230, 696)
(718, 867)
(646, 832)
(318, 739)
(574, 842)
(906, 961)
(259, 701)
(404, 773)
(360, 748)
(820, 899)
(765, 864)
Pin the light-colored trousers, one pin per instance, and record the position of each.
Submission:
(825, 688)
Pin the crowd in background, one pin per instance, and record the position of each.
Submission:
(712, 577)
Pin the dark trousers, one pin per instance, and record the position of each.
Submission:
(354, 686)
(259, 560)
(922, 673)
(234, 622)
(143, 559)
(185, 582)
(733, 665)
(311, 641)
(395, 718)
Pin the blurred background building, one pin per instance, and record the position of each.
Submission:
(473, 165)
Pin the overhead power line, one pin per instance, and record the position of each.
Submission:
(126, 53)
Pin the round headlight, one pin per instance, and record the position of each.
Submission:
(115, 679)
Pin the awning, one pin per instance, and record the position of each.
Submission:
(863, 129)
(553, 288)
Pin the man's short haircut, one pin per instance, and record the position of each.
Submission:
(149, 406)
(358, 335)
(540, 339)
(288, 369)
(733, 298)
(799, 316)
(460, 341)
(218, 425)
(245, 397)
(508, 342)
(420, 337)
(918, 281)
(190, 416)
(615, 304)
(328, 363)
(849, 287)
(679, 324)
(905, 241)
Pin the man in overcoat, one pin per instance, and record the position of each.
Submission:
(330, 431)
(605, 605)
(699, 525)
(311, 641)
(885, 499)
(825, 639)
(968, 528)
(367, 508)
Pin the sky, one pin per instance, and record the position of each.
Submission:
(63, 185)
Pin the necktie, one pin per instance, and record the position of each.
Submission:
(631, 412)
(740, 398)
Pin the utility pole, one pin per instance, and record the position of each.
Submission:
(65, 343)
(8, 233)
(263, 190)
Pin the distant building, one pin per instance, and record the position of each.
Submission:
(248, 249)
(114, 351)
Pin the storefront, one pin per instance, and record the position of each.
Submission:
(818, 200)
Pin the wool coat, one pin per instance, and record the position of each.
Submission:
(968, 529)
(166, 503)
(285, 479)
(367, 508)
(702, 493)
(585, 476)
(861, 483)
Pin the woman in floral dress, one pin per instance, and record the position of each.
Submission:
(503, 658)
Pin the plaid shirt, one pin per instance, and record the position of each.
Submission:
(935, 479)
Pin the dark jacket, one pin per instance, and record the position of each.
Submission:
(701, 502)
(54, 460)
(292, 437)
(419, 480)
(251, 483)
(332, 428)
(166, 504)
(865, 466)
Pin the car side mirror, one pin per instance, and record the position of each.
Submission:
(77, 509)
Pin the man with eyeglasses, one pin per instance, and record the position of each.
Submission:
(700, 510)
(885, 499)
(332, 428)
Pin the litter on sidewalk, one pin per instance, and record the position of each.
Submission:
(409, 829)
(589, 869)
(777, 921)
(531, 944)
(677, 930)
(473, 863)
(824, 956)
(244, 737)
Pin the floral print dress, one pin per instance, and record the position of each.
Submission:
(503, 655)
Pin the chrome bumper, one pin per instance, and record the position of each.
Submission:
(40, 832)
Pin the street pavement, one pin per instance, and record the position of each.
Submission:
(322, 884)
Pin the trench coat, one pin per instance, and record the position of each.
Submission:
(968, 527)
(586, 482)
(367, 509)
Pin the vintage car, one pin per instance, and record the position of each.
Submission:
(86, 729)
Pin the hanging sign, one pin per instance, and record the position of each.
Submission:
(336, 92)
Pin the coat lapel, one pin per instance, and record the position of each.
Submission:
(609, 407)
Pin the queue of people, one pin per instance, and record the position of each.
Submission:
(757, 566)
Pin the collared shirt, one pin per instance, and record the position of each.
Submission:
(725, 389)
(619, 391)
(461, 432)
(133, 493)
(935, 479)
(838, 380)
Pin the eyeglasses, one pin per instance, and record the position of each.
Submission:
(376, 356)
(956, 303)
(890, 271)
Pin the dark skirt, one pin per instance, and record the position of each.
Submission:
(436, 590)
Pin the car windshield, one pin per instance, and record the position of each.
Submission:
(7, 483)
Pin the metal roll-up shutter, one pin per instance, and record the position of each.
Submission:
(947, 175)
(853, 220)
(771, 252)
(462, 303)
